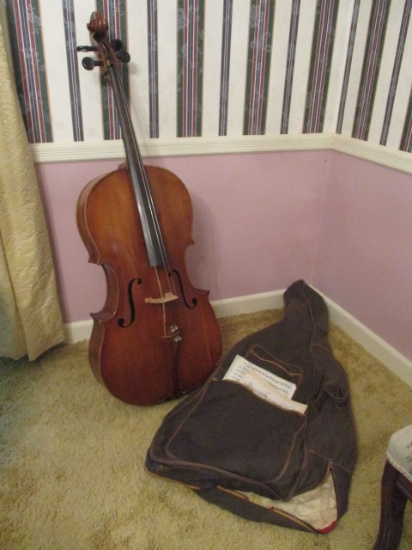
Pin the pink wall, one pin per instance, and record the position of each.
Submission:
(256, 223)
(364, 260)
(262, 221)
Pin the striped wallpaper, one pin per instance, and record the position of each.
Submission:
(190, 50)
(209, 68)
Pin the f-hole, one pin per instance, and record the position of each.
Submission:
(122, 322)
(193, 303)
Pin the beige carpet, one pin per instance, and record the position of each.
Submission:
(71, 462)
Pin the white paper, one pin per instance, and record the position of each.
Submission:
(264, 384)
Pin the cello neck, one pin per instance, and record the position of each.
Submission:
(150, 224)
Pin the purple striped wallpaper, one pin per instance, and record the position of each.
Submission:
(370, 70)
(28, 53)
(322, 49)
(190, 30)
(114, 12)
(73, 69)
(395, 73)
(259, 56)
(339, 45)
(290, 66)
(225, 66)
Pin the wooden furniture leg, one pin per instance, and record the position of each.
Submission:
(395, 490)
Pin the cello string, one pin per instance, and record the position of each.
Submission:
(136, 157)
(163, 304)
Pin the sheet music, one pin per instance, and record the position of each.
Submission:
(264, 384)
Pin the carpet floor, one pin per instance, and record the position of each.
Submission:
(72, 461)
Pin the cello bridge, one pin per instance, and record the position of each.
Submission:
(168, 297)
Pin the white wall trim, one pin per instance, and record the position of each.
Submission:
(248, 304)
(103, 150)
(113, 150)
(77, 331)
(374, 344)
(81, 330)
(378, 154)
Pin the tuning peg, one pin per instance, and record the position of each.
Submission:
(121, 53)
(123, 56)
(116, 44)
(86, 48)
(89, 64)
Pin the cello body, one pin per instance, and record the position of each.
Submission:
(135, 350)
(156, 337)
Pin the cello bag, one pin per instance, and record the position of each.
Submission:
(270, 436)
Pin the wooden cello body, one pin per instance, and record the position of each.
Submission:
(156, 336)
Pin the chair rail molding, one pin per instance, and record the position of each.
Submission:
(63, 152)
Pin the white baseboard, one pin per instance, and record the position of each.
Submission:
(81, 330)
(248, 304)
(78, 331)
(374, 344)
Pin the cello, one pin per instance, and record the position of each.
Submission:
(157, 336)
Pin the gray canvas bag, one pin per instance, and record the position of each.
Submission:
(243, 445)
